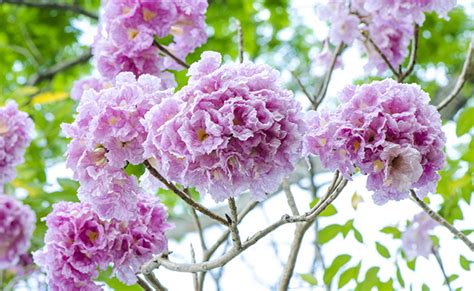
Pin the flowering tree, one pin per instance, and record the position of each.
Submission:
(181, 104)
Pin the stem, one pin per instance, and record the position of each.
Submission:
(143, 284)
(441, 266)
(383, 56)
(327, 78)
(441, 220)
(234, 230)
(184, 196)
(154, 282)
(241, 41)
(414, 49)
(461, 79)
(195, 275)
(170, 54)
(289, 197)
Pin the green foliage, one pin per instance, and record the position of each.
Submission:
(328, 233)
(382, 250)
(348, 275)
(309, 278)
(335, 266)
(465, 121)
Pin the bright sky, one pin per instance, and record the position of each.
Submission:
(259, 267)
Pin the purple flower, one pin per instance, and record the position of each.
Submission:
(324, 58)
(128, 28)
(75, 246)
(416, 240)
(135, 242)
(387, 130)
(231, 129)
(15, 136)
(17, 223)
(106, 135)
(89, 83)
(78, 243)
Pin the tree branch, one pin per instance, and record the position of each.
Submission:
(234, 230)
(441, 266)
(461, 79)
(56, 6)
(170, 54)
(441, 220)
(233, 252)
(414, 49)
(306, 93)
(184, 196)
(384, 57)
(51, 72)
(289, 198)
(154, 282)
(241, 41)
(327, 78)
(143, 284)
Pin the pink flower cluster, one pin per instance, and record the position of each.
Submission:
(389, 23)
(231, 129)
(78, 243)
(17, 223)
(387, 130)
(128, 29)
(106, 136)
(15, 136)
(416, 240)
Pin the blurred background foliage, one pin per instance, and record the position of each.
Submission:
(36, 40)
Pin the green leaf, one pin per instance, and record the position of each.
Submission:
(425, 287)
(412, 264)
(465, 263)
(371, 279)
(465, 121)
(399, 277)
(347, 227)
(358, 235)
(452, 278)
(309, 278)
(331, 271)
(385, 286)
(328, 233)
(382, 250)
(395, 232)
(348, 275)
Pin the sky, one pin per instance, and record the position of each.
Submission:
(260, 266)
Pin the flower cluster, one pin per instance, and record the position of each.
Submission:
(128, 30)
(231, 129)
(15, 136)
(416, 240)
(17, 223)
(388, 23)
(78, 243)
(387, 130)
(106, 135)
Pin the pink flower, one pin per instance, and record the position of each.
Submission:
(17, 223)
(387, 130)
(416, 240)
(106, 135)
(231, 129)
(16, 129)
(75, 246)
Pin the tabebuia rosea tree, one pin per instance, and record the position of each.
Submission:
(169, 118)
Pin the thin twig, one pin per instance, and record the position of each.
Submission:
(441, 220)
(170, 54)
(461, 79)
(198, 225)
(143, 284)
(234, 230)
(441, 266)
(154, 282)
(289, 197)
(241, 41)
(306, 93)
(327, 78)
(233, 252)
(414, 49)
(184, 196)
(383, 56)
(195, 275)
(57, 6)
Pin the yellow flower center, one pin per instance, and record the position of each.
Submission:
(378, 165)
(148, 15)
(92, 235)
(132, 34)
(201, 135)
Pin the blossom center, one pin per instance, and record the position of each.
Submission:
(132, 34)
(3, 127)
(148, 15)
(201, 135)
